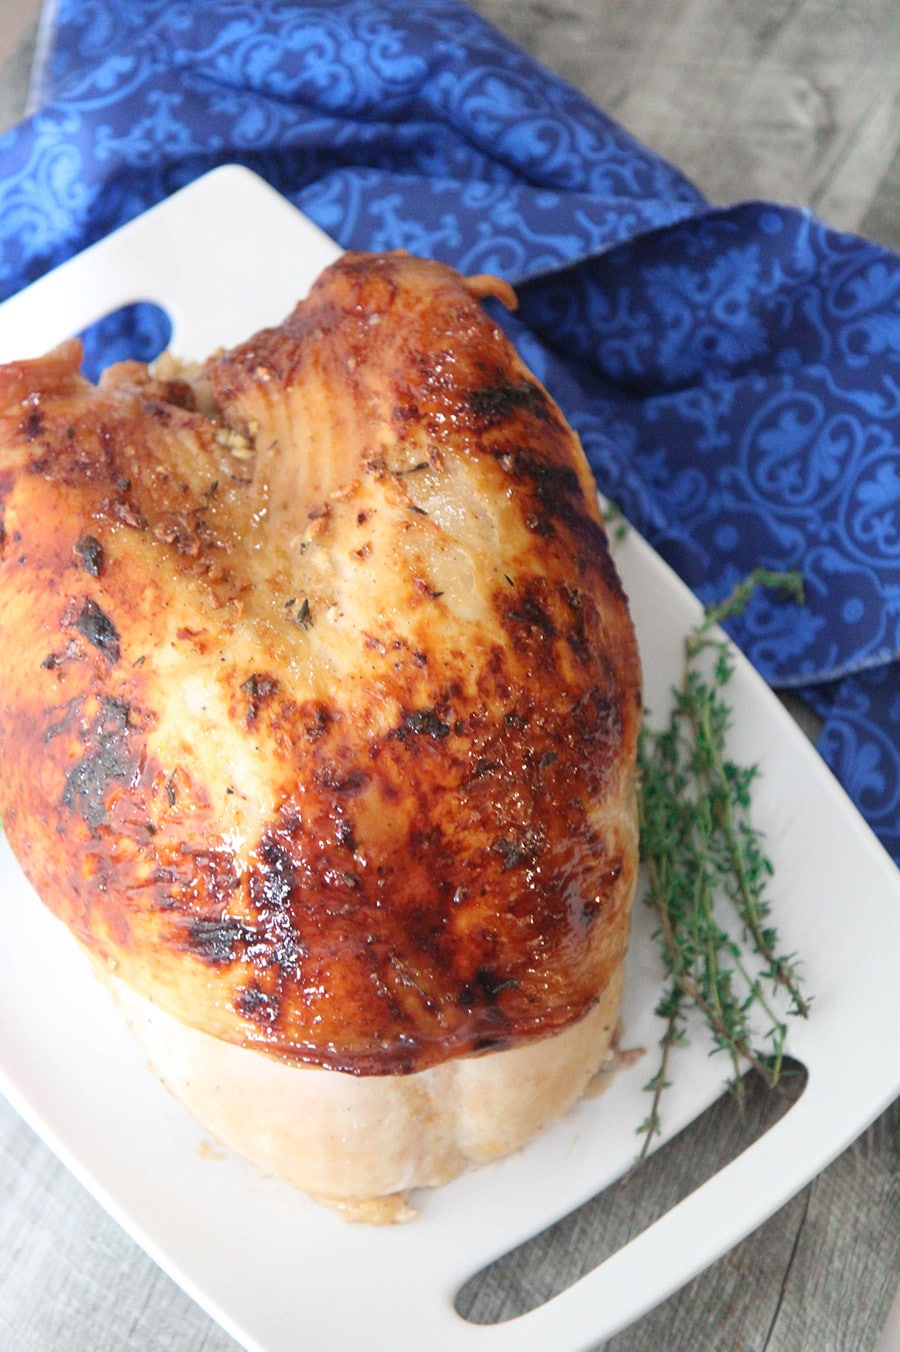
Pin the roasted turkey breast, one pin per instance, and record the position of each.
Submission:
(320, 694)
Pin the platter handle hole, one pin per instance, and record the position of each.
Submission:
(549, 1263)
(139, 331)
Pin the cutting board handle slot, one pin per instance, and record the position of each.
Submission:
(139, 331)
(537, 1270)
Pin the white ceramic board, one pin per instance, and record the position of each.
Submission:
(223, 257)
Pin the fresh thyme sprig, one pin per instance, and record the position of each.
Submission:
(700, 849)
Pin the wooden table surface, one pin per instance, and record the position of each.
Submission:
(792, 100)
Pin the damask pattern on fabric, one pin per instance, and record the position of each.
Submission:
(734, 374)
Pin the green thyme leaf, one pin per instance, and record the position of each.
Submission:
(700, 848)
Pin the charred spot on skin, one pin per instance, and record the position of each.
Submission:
(275, 880)
(590, 909)
(575, 634)
(494, 403)
(489, 1044)
(260, 690)
(257, 1005)
(90, 551)
(401, 415)
(422, 723)
(514, 719)
(529, 612)
(216, 940)
(96, 626)
(509, 852)
(335, 781)
(33, 423)
(275, 942)
(579, 645)
(107, 760)
(345, 836)
(558, 495)
(485, 988)
(319, 726)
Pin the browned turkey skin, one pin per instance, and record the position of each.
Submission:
(319, 691)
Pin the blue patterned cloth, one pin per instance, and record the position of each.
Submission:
(734, 374)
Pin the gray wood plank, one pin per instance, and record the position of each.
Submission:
(791, 100)
(71, 1280)
(819, 1276)
(843, 1273)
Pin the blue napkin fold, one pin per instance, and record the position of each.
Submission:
(734, 373)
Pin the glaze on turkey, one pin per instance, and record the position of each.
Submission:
(320, 694)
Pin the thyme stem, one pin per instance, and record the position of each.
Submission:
(700, 849)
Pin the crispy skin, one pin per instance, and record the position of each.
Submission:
(319, 691)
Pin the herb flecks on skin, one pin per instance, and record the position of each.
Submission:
(303, 615)
(699, 849)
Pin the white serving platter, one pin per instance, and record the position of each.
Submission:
(224, 257)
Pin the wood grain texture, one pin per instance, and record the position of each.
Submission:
(70, 1279)
(796, 101)
(18, 38)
